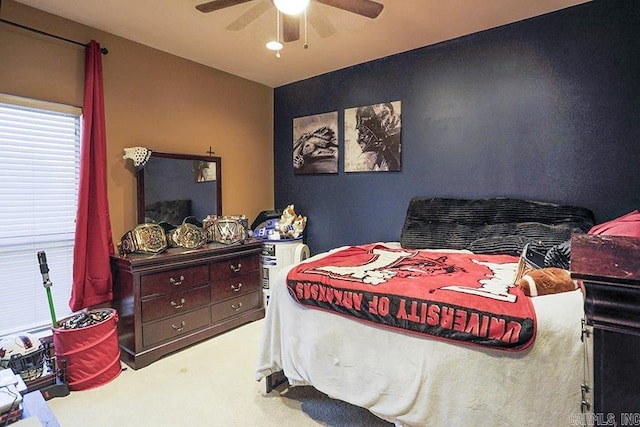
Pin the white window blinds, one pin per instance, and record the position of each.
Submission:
(39, 169)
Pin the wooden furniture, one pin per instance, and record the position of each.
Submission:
(609, 268)
(171, 300)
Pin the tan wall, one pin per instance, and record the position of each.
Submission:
(152, 99)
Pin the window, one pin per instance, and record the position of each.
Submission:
(39, 171)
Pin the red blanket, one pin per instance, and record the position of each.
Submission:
(467, 298)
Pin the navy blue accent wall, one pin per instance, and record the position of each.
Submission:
(544, 109)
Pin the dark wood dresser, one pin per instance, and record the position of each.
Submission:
(171, 300)
(609, 268)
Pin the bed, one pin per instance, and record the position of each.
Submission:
(411, 379)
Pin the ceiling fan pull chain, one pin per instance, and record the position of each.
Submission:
(306, 45)
(278, 31)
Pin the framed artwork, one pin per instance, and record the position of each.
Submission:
(373, 138)
(315, 143)
(204, 171)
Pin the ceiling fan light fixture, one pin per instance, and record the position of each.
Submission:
(274, 45)
(291, 7)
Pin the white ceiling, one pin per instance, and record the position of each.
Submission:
(176, 27)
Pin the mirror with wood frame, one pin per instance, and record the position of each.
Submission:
(173, 186)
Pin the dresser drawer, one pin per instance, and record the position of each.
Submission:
(235, 286)
(173, 280)
(175, 303)
(235, 306)
(234, 267)
(173, 327)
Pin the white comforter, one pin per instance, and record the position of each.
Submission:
(416, 381)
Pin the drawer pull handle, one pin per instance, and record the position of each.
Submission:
(175, 282)
(179, 328)
(176, 305)
(237, 306)
(236, 268)
(237, 287)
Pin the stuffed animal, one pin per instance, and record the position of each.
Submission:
(546, 281)
(286, 219)
(290, 225)
(297, 227)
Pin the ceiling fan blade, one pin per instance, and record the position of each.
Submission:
(321, 24)
(369, 8)
(218, 4)
(249, 16)
(290, 28)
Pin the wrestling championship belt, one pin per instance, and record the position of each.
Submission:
(148, 238)
(227, 229)
(188, 236)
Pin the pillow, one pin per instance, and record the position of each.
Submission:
(510, 245)
(510, 238)
(171, 211)
(456, 223)
(626, 225)
(546, 281)
(523, 267)
(559, 255)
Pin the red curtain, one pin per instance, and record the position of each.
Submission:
(93, 242)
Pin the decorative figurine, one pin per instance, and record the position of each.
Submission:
(138, 155)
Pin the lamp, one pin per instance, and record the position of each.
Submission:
(276, 44)
(291, 7)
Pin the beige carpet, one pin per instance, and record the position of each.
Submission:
(209, 384)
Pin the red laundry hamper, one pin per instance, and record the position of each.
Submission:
(91, 353)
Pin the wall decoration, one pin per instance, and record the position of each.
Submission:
(204, 171)
(372, 138)
(315, 143)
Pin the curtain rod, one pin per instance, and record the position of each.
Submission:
(104, 50)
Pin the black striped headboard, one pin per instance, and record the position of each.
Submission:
(498, 225)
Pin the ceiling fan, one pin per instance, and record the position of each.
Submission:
(290, 23)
